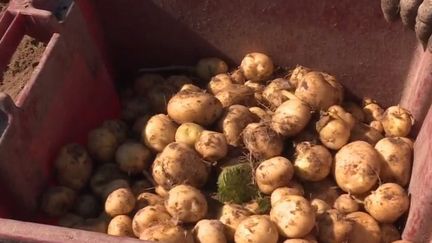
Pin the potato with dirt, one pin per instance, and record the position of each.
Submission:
(57, 200)
(333, 132)
(212, 146)
(87, 206)
(231, 215)
(364, 132)
(298, 74)
(274, 92)
(364, 229)
(148, 216)
(263, 115)
(236, 94)
(209, 231)
(371, 110)
(118, 128)
(159, 132)
(290, 118)
(73, 166)
(197, 107)
(179, 164)
(120, 201)
(326, 190)
(397, 160)
(237, 76)
(273, 173)
(148, 199)
(256, 229)
(333, 227)
(282, 192)
(257, 67)
(186, 204)
(387, 203)
(166, 233)
(103, 175)
(219, 82)
(320, 206)
(258, 90)
(102, 144)
(397, 122)
(209, 67)
(357, 167)
(120, 225)
(346, 204)
(112, 186)
(312, 162)
(261, 141)
(188, 133)
(294, 216)
(132, 157)
(233, 121)
(338, 112)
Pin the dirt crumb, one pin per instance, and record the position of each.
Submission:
(23, 62)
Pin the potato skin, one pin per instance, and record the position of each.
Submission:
(179, 164)
(212, 146)
(357, 166)
(219, 82)
(73, 166)
(294, 216)
(387, 203)
(333, 133)
(188, 133)
(397, 122)
(148, 199)
(346, 204)
(186, 204)
(365, 228)
(256, 229)
(312, 162)
(166, 233)
(120, 225)
(132, 157)
(297, 74)
(397, 160)
(102, 144)
(231, 215)
(236, 94)
(290, 118)
(209, 231)
(159, 132)
(282, 192)
(120, 201)
(256, 66)
(273, 92)
(262, 141)
(273, 173)
(57, 200)
(234, 120)
(333, 227)
(148, 216)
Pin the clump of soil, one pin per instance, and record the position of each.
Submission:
(23, 62)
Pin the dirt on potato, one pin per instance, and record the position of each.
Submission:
(22, 64)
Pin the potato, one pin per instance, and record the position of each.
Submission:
(257, 66)
(357, 167)
(186, 204)
(132, 157)
(57, 200)
(147, 217)
(365, 133)
(219, 82)
(191, 88)
(69, 220)
(387, 203)
(212, 146)
(118, 128)
(273, 93)
(178, 81)
(140, 124)
(261, 141)
(197, 107)
(326, 190)
(238, 77)
(231, 215)
(141, 186)
(338, 112)
(120, 201)
(179, 164)
(312, 162)
(355, 110)
(188, 133)
(290, 118)
(333, 133)
(87, 206)
(236, 94)
(102, 143)
(389, 233)
(282, 192)
(346, 204)
(159, 132)
(294, 216)
(232, 123)
(161, 191)
(256, 229)
(333, 227)
(397, 158)
(372, 111)
(297, 74)
(112, 186)
(209, 231)
(318, 90)
(320, 206)
(148, 199)
(73, 166)
(365, 228)
(273, 173)
(134, 107)
(209, 67)
(120, 225)
(104, 175)
(93, 224)
(261, 113)
(397, 122)
(166, 233)
(297, 241)
(143, 84)
(258, 89)
(377, 125)
(159, 95)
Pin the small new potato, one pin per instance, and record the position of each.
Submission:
(346, 204)
(274, 92)
(120, 201)
(219, 82)
(397, 121)
(334, 227)
(118, 128)
(291, 117)
(282, 192)
(148, 199)
(159, 132)
(102, 144)
(320, 206)
(294, 216)
(186, 204)
(57, 200)
(258, 89)
(297, 74)
(312, 162)
(212, 146)
(120, 225)
(161, 191)
(73, 166)
(357, 167)
(256, 229)
(338, 112)
(197, 107)
(273, 173)
(188, 133)
(387, 203)
(209, 67)
(234, 120)
(365, 228)
(333, 133)
(257, 66)
(166, 233)
(397, 160)
(148, 216)
(261, 141)
(372, 111)
(236, 94)
(112, 186)
(389, 233)
(261, 113)
(179, 164)
(132, 157)
(238, 77)
(209, 231)
(87, 206)
(377, 125)
(191, 88)
(231, 215)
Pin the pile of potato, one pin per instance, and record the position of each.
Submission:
(330, 169)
